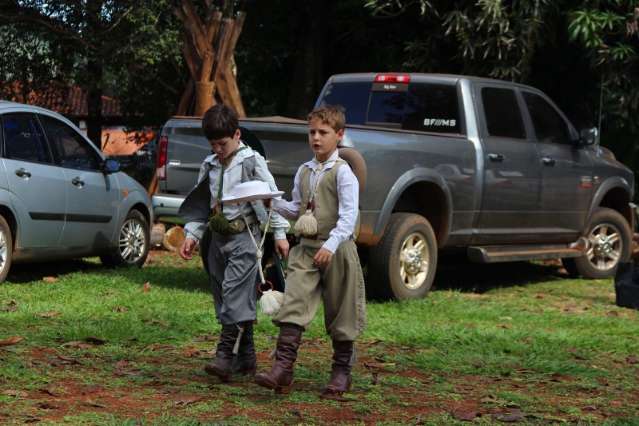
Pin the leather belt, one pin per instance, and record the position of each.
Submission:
(237, 225)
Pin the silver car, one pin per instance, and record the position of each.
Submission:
(60, 198)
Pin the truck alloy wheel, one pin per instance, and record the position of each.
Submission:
(403, 263)
(6, 248)
(605, 246)
(133, 242)
(609, 240)
(413, 260)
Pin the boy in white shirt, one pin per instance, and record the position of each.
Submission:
(227, 250)
(325, 266)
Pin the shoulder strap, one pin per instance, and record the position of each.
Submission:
(248, 168)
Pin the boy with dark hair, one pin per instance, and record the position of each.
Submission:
(325, 266)
(227, 251)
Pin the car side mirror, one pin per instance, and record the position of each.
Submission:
(588, 136)
(111, 166)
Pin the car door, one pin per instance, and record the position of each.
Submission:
(567, 179)
(37, 185)
(512, 176)
(93, 196)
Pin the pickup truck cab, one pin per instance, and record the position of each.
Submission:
(454, 162)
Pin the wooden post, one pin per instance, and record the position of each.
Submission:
(208, 47)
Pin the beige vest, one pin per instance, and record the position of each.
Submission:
(326, 200)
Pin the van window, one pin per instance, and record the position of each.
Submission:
(353, 97)
(432, 108)
(386, 107)
(23, 139)
(424, 107)
(501, 110)
(549, 125)
(71, 150)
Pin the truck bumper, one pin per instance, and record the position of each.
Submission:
(166, 206)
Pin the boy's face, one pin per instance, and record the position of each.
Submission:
(323, 139)
(224, 147)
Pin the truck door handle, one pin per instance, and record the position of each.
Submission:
(548, 161)
(77, 182)
(23, 173)
(498, 158)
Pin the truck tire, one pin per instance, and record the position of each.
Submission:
(609, 242)
(6, 249)
(357, 164)
(403, 263)
(133, 242)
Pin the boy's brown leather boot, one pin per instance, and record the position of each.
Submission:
(221, 365)
(280, 377)
(246, 361)
(340, 381)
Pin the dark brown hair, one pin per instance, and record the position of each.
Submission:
(219, 121)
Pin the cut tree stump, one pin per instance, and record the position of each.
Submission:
(173, 238)
(157, 234)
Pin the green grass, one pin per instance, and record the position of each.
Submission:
(103, 348)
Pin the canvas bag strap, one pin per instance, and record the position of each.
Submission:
(221, 185)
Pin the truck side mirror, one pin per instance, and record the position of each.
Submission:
(588, 136)
(110, 166)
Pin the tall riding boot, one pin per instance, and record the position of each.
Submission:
(246, 362)
(340, 381)
(221, 366)
(281, 375)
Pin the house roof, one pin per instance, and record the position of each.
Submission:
(68, 100)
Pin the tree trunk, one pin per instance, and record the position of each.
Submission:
(208, 49)
(203, 97)
(308, 69)
(94, 101)
(95, 71)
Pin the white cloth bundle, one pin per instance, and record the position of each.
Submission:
(306, 225)
(271, 301)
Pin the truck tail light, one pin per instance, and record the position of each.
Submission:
(162, 157)
(392, 78)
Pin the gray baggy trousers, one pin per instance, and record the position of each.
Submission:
(232, 265)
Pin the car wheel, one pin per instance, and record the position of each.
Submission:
(403, 263)
(133, 242)
(609, 242)
(6, 249)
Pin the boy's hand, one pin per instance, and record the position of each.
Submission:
(281, 248)
(322, 258)
(187, 247)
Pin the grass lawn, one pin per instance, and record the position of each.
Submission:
(82, 344)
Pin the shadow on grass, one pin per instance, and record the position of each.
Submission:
(452, 273)
(23, 273)
(463, 275)
(178, 277)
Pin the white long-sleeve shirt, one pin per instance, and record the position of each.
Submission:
(232, 177)
(347, 198)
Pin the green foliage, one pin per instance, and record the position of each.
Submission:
(486, 37)
(127, 49)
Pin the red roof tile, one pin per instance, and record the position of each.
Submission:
(70, 101)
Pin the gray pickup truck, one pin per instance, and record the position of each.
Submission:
(490, 167)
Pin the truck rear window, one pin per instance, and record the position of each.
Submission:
(426, 107)
(352, 96)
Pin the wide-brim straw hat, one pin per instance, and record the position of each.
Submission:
(251, 190)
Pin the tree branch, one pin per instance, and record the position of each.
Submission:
(29, 15)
